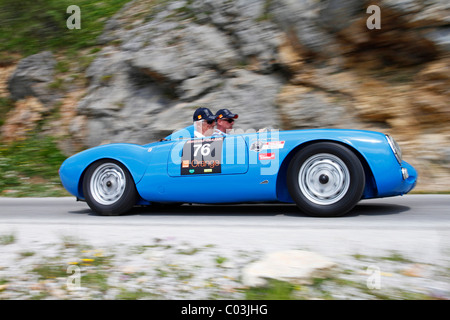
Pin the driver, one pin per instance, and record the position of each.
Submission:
(204, 121)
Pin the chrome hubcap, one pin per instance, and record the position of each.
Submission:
(324, 179)
(107, 183)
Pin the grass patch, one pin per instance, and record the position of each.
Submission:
(396, 257)
(95, 279)
(188, 251)
(26, 254)
(220, 260)
(132, 295)
(50, 271)
(31, 26)
(7, 239)
(30, 167)
(6, 105)
(275, 290)
(358, 256)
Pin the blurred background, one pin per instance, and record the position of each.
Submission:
(136, 70)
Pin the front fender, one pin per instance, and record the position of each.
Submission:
(372, 147)
(134, 157)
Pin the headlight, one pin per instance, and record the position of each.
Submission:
(395, 148)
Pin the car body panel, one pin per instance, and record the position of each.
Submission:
(134, 157)
(253, 166)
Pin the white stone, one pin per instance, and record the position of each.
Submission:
(295, 266)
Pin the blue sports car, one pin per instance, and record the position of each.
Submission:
(324, 171)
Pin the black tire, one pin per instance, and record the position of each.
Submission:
(109, 188)
(325, 179)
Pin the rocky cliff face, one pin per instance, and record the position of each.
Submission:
(281, 63)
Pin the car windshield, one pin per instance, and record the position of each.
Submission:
(188, 133)
(185, 133)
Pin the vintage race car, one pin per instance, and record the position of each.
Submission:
(324, 171)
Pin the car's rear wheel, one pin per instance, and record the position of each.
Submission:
(109, 188)
(325, 179)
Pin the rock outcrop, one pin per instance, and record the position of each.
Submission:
(32, 78)
(284, 64)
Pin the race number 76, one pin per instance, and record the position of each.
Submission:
(205, 149)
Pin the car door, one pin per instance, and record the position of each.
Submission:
(209, 156)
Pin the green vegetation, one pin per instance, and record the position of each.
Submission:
(49, 271)
(6, 104)
(220, 260)
(93, 267)
(31, 26)
(276, 290)
(26, 254)
(30, 167)
(396, 257)
(7, 239)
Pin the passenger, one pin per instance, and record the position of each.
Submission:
(225, 120)
(204, 122)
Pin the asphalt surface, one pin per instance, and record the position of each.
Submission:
(418, 226)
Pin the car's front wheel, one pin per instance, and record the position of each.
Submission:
(109, 188)
(325, 179)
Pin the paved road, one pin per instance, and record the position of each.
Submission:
(417, 225)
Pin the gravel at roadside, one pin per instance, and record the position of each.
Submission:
(171, 268)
